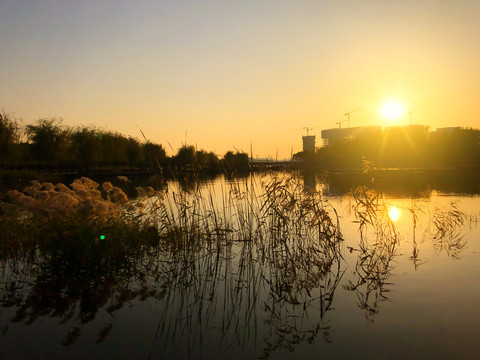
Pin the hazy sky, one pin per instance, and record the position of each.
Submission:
(224, 74)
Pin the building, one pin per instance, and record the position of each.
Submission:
(309, 143)
(331, 136)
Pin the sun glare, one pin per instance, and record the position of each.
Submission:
(393, 213)
(392, 110)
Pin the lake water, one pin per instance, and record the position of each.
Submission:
(401, 284)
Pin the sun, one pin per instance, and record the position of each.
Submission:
(392, 110)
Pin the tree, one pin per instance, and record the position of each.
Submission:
(236, 161)
(155, 155)
(86, 147)
(114, 149)
(185, 156)
(212, 159)
(134, 152)
(9, 138)
(48, 142)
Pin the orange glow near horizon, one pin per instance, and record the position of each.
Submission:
(236, 75)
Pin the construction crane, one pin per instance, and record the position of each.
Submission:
(308, 129)
(410, 114)
(304, 128)
(339, 122)
(347, 115)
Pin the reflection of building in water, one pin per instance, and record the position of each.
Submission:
(309, 180)
(315, 181)
(309, 143)
(331, 136)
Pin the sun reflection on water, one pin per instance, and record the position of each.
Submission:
(393, 213)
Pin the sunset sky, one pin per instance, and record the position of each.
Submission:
(227, 74)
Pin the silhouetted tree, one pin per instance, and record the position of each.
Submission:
(236, 161)
(206, 160)
(86, 147)
(201, 157)
(9, 138)
(212, 159)
(185, 156)
(114, 149)
(48, 142)
(134, 153)
(155, 155)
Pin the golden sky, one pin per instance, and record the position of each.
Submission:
(226, 74)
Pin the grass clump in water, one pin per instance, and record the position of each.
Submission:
(199, 250)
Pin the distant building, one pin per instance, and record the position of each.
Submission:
(309, 143)
(331, 136)
(449, 129)
(445, 131)
(409, 132)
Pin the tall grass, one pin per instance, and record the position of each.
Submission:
(252, 262)
(200, 251)
(256, 248)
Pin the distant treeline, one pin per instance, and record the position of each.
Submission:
(48, 145)
(403, 146)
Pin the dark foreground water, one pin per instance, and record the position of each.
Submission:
(405, 288)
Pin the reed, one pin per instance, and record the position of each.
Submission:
(251, 262)
(199, 250)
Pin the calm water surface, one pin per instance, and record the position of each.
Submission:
(411, 292)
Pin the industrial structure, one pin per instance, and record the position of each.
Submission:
(331, 136)
(308, 141)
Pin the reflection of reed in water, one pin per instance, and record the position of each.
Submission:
(253, 266)
(445, 230)
(414, 210)
(255, 262)
(374, 261)
(447, 234)
(273, 280)
(75, 280)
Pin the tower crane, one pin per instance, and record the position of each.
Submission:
(308, 129)
(347, 115)
(410, 114)
(339, 122)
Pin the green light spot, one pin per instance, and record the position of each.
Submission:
(100, 136)
(102, 237)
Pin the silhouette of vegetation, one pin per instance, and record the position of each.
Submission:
(9, 140)
(70, 251)
(48, 143)
(51, 146)
(257, 261)
(236, 161)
